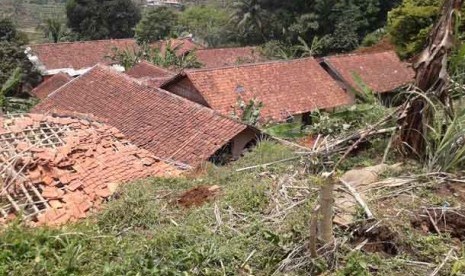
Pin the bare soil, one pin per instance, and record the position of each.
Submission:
(453, 189)
(198, 196)
(381, 239)
(450, 221)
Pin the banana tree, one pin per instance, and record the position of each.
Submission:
(431, 81)
(11, 83)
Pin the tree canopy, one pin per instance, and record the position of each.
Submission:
(340, 24)
(17, 74)
(410, 23)
(102, 19)
(209, 24)
(156, 24)
(9, 32)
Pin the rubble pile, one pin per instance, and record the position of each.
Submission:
(57, 169)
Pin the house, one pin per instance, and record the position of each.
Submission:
(220, 57)
(51, 84)
(150, 74)
(75, 58)
(153, 75)
(66, 166)
(169, 126)
(285, 88)
(382, 72)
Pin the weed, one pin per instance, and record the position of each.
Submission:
(141, 231)
(356, 265)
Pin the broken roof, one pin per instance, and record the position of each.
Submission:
(219, 57)
(150, 74)
(50, 85)
(167, 125)
(74, 57)
(284, 87)
(56, 169)
(381, 71)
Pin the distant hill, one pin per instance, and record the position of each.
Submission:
(29, 14)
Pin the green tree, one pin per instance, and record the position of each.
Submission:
(10, 84)
(410, 23)
(8, 32)
(167, 57)
(249, 18)
(53, 29)
(12, 56)
(102, 19)
(156, 24)
(208, 23)
(341, 24)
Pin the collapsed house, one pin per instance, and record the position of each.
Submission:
(75, 58)
(60, 168)
(287, 89)
(149, 74)
(382, 72)
(165, 124)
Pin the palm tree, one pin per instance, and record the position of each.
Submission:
(248, 15)
(53, 28)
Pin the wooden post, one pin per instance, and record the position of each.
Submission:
(325, 225)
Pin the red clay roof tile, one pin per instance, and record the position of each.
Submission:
(146, 69)
(149, 74)
(285, 87)
(219, 57)
(69, 192)
(381, 71)
(50, 85)
(169, 126)
(85, 54)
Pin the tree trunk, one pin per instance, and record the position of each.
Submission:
(431, 79)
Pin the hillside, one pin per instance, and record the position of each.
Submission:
(221, 221)
(29, 14)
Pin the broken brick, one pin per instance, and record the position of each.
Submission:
(74, 182)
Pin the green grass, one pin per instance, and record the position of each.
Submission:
(143, 232)
(286, 130)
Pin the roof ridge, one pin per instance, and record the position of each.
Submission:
(80, 42)
(227, 48)
(247, 65)
(359, 54)
(135, 81)
(154, 65)
(53, 77)
(71, 81)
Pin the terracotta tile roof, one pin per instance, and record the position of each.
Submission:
(65, 167)
(285, 87)
(381, 71)
(220, 57)
(84, 54)
(149, 74)
(50, 85)
(382, 46)
(167, 125)
(146, 69)
(79, 54)
(185, 45)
